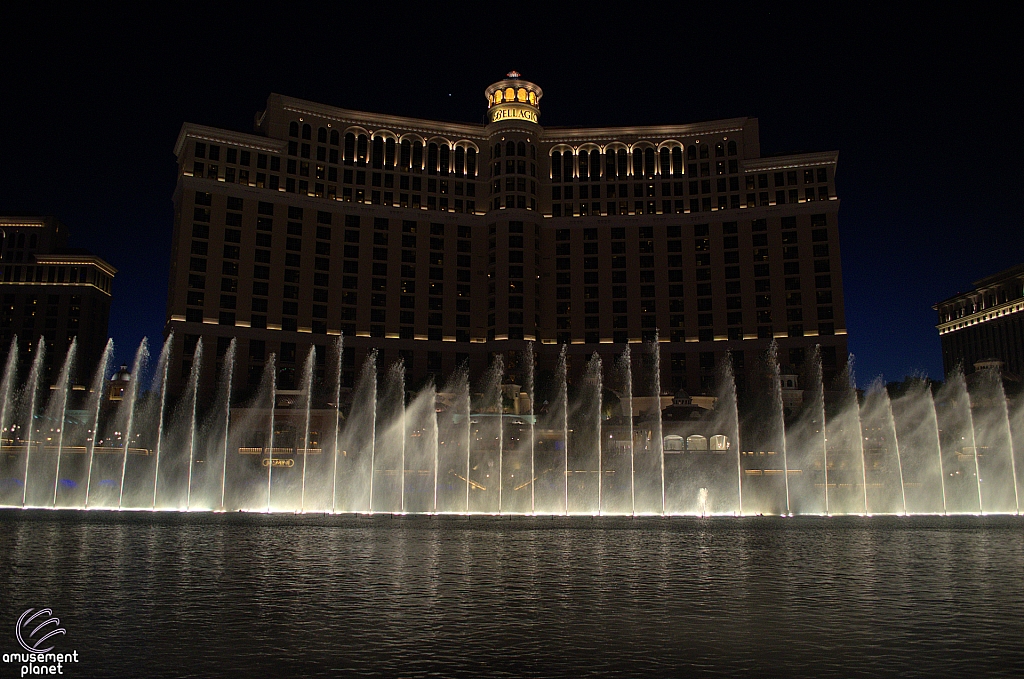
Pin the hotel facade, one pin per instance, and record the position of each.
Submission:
(985, 324)
(442, 243)
(53, 293)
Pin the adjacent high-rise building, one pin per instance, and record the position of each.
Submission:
(985, 324)
(441, 242)
(52, 292)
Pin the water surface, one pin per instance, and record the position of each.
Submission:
(200, 595)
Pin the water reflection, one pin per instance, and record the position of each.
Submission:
(202, 595)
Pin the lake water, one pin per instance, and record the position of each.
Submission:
(202, 595)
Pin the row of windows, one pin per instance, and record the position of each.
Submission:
(679, 206)
(380, 152)
(642, 162)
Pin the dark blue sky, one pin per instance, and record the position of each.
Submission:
(918, 104)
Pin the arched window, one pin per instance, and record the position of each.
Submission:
(432, 159)
(471, 162)
(584, 165)
(691, 152)
(377, 157)
(497, 150)
(649, 163)
(696, 442)
(443, 159)
(334, 137)
(460, 160)
(703, 150)
(623, 163)
(719, 442)
(556, 166)
(350, 148)
(665, 158)
(293, 129)
(521, 149)
(673, 443)
(405, 154)
(361, 143)
(609, 165)
(567, 172)
(677, 161)
(307, 131)
(417, 155)
(521, 95)
(510, 148)
(719, 150)
(732, 148)
(321, 135)
(389, 152)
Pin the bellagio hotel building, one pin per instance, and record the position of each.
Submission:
(440, 243)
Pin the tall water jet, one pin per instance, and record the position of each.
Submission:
(141, 357)
(720, 491)
(8, 461)
(648, 457)
(1015, 417)
(453, 431)
(174, 468)
(96, 398)
(63, 386)
(584, 442)
(227, 376)
(883, 464)
(484, 466)
(306, 404)
(308, 420)
(419, 486)
(76, 439)
(847, 471)
(781, 414)
(28, 430)
(517, 434)
(917, 432)
(762, 434)
(45, 462)
(959, 450)
(549, 448)
(702, 461)
(269, 390)
(339, 354)
(389, 442)
(212, 421)
(531, 394)
(616, 439)
(659, 440)
(160, 378)
(993, 442)
(806, 456)
(356, 442)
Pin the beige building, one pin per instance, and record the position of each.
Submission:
(985, 325)
(52, 292)
(443, 242)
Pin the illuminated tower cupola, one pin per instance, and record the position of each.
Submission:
(513, 99)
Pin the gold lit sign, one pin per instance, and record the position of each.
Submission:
(507, 112)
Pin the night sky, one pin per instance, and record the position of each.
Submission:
(918, 104)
